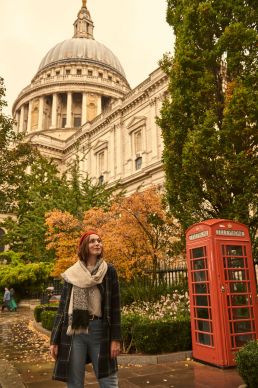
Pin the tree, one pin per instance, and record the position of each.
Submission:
(84, 195)
(137, 232)
(209, 120)
(17, 272)
(63, 234)
(15, 157)
(44, 190)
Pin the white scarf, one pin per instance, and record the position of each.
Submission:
(81, 279)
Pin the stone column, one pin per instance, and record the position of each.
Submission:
(120, 156)
(93, 169)
(41, 112)
(69, 110)
(154, 128)
(98, 105)
(29, 117)
(54, 112)
(160, 142)
(84, 108)
(111, 154)
(16, 125)
(21, 120)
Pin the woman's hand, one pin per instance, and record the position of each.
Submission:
(53, 350)
(115, 349)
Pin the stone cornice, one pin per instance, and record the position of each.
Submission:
(48, 147)
(66, 85)
(104, 119)
(139, 94)
(140, 175)
(83, 61)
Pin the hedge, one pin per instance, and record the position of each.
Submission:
(141, 335)
(152, 337)
(43, 307)
(47, 319)
(247, 363)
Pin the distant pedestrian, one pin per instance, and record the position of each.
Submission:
(6, 299)
(87, 325)
(13, 305)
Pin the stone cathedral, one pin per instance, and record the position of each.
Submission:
(80, 105)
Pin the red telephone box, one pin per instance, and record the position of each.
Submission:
(222, 288)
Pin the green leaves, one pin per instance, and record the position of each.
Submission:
(20, 273)
(31, 186)
(209, 121)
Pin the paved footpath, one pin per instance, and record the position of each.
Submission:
(25, 362)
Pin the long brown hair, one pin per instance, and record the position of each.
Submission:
(83, 252)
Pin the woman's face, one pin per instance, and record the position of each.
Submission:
(95, 245)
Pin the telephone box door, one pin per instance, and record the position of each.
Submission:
(237, 305)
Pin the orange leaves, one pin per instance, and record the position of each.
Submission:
(137, 233)
(62, 236)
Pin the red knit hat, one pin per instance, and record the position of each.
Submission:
(86, 234)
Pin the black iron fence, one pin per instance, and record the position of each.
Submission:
(173, 275)
(168, 276)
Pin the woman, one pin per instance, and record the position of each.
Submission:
(87, 326)
(6, 299)
(13, 305)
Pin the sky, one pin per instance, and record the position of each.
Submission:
(135, 30)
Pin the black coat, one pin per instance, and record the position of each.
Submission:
(109, 289)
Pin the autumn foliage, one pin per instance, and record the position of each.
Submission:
(137, 233)
(62, 236)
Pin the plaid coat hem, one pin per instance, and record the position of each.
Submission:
(109, 290)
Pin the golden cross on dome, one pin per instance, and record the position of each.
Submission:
(84, 2)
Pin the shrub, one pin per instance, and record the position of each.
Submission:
(47, 319)
(162, 337)
(43, 307)
(37, 312)
(247, 362)
(137, 290)
(128, 324)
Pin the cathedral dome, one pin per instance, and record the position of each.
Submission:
(79, 49)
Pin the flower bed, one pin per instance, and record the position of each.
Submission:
(157, 327)
(149, 327)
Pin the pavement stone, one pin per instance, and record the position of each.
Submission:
(9, 376)
(34, 369)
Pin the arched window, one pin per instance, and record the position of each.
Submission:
(2, 233)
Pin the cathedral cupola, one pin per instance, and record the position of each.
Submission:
(83, 26)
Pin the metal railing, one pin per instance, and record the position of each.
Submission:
(173, 275)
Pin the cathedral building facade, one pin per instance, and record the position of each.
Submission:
(79, 105)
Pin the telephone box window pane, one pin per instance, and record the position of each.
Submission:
(236, 263)
(239, 287)
(199, 276)
(201, 300)
(199, 264)
(204, 339)
(242, 327)
(236, 275)
(243, 339)
(234, 250)
(201, 288)
(202, 313)
(198, 252)
(239, 300)
(204, 326)
(239, 313)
